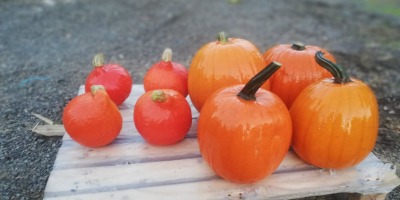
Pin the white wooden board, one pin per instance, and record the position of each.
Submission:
(130, 168)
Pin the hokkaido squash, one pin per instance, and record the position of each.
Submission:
(299, 69)
(113, 77)
(167, 75)
(335, 120)
(162, 117)
(92, 119)
(244, 134)
(225, 62)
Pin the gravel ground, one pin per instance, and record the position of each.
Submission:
(58, 38)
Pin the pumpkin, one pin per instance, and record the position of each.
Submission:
(113, 77)
(162, 117)
(299, 69)
(167, 75)
(92, 119)
(225, 62)
(244, 134)
(335, 120)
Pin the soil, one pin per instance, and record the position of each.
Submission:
(56, 39)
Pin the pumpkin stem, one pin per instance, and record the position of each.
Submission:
(223, 38)
(336, 70)
(167, 55)
(298, 46)
(98, 60)
(158, 95)
(96, 88)
(249, 90)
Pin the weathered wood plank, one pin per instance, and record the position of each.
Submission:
(194, 180)
(201, 170)
(134, 150)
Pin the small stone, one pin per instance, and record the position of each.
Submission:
(121, 56)
(10, 111)
(387, 56)
(385, 108)
(388, 126)
(392, 112)
(40, 140)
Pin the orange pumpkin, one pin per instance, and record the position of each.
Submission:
(335, 121)
(298, 71)
(220, 64)
(113, 77)
(167, 75)
(162, 117)
(244, 134)
(92, 119)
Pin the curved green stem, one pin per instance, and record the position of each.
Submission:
(298, 46)
(336, 70)
(249, 90)
(223, 39)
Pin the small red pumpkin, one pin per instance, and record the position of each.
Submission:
(162, 117)
(225, 62)
(167, 75)
(298, 71)
(244, 134)
(92, 119)
(335, 121)
(113, 77)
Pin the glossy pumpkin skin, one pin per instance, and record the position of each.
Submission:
(92, 120)
(114, 78)
(299, 70)
(167, 75)
(162, 123)
(244, 141)
(335, 126)
(218, 65)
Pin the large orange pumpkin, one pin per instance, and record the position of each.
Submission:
(335, 121)
(222, 63)
(92, 119)
(298, 71)
(244, 134)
